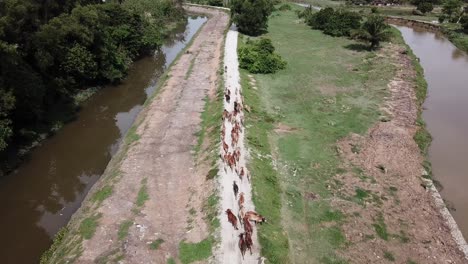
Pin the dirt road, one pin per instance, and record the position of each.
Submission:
(158, 180)
(228, 251)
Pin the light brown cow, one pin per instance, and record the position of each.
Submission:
(241, 199)
(232, 218)
(241, 213)
(254, 216)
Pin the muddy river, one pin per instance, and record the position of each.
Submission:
(446, 115)
(42, 194)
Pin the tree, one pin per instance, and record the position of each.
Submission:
(374, 31)
(452, 9)
(251, 16)
(335, 22)
(425, 7)
(464, 23)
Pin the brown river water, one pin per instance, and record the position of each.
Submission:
(42, 194)
(446, 115)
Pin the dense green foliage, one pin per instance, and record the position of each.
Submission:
(251, 16)
(464, 23)
(332, 22)
(374, 30)
(208, 2)
(425, 7)
(452, 10)
(51, 50)
(260, 57)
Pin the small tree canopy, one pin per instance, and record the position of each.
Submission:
(374, 31)
(251, 16)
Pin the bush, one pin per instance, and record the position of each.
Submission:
(374, 31)
(464, 23)
(284, 7)
(374, 10)
(335, 23)
(259, 57)
(251, 16)
(425, 7)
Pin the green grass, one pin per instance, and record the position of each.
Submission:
(210, 209)
(389, 256)
(190, 69)
(143, 195)
(102, 194)
(58, 239)
(327, 91)
(171, 261)
(123, 229)
(191, 252)
(380, 227)
(155, 244)
(88, 226)
(132, 135)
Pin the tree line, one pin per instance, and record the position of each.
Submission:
(52, 49)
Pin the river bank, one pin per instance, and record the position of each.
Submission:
(338, 136)
(153, 185)
(43, 193)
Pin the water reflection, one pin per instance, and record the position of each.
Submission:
(40, 197)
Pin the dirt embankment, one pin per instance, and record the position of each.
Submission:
(397, 218)
(412, 23)
(155, 180)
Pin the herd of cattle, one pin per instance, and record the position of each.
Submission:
(231, 161)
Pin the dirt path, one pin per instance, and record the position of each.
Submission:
(228, 251)
(158, 183)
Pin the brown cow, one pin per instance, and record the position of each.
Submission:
(248, 241)
(225, 115)
(241, 199)
(247, 226)
(232, 218)
(257, 218)
(225, 147)
(242, 245)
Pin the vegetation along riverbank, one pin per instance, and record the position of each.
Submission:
(450, 16)
(155, 202)
(334, 151)
(51, 53)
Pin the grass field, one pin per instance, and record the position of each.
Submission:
(329, 89)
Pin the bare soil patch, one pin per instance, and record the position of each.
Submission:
(391, 214)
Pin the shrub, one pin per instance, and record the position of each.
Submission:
(425, 7)
(259, 57)
(464, 23)
(374, 10)
(374, 31)
(335, 23)
(284, 7)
